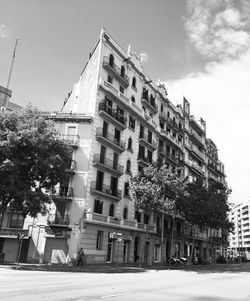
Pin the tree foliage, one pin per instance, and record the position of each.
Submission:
(156, 189)
(33, 160)
(206, 206)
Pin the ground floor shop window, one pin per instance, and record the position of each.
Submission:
(99, 239)
(157, 253)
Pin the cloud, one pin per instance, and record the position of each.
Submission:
(218, 29)
(220, 95)
(4, 32)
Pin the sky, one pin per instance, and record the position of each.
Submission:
(199, 49)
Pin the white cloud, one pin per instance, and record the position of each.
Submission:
(218, 29)
(220, 95)
(4, 32)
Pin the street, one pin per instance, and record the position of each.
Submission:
(199, 284)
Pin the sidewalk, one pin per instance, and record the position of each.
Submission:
(113, 268)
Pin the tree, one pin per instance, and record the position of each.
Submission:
(205, 206)
(156, 190)
(33, 160)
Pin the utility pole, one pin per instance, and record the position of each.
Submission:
(5, 102)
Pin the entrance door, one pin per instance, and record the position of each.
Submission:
(56, 250)
(136, 257)
(126, 251)
(110, 250)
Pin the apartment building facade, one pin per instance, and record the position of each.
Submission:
(239, 239)
(118, 122)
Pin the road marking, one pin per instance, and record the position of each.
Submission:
(115, 295)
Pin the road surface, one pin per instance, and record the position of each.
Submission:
(170, 285)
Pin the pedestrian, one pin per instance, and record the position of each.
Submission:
(80, 257)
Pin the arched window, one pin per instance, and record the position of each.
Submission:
(130, 143)
(122, 71)
(128, 166)
(111, 60)
(125, 213)
(132, 98)
(134, 82)
(168, 114)
(111, 210)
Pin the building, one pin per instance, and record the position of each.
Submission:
(239, 239)
(118, 122)
(5, 95)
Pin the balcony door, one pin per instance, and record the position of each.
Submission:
(115, 161)
(99, 180)
(102, 154)
(117, 136)
(113, 186)
(60, 211)
(105, 129)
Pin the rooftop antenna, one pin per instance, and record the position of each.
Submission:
(5, 102)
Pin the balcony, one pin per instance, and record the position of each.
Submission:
(171, 138)
(116, 72)
(106, 191)
(96, 218)
(198, 154)
(163, 116)
(146, 141)
(149, 104)
(64, 194)
(6, 232)
(195, 124)
(197, 138)
(196, 168)
(109, 140)
(143, 161)
(107, 165)
(55, 221)
(172, 158)
(112, 116)
(72, 169)
(73, 140)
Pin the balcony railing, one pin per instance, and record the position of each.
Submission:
(171, 138)
(124, 79)
(116, 116)
(104, 219)
(73, 140)
(110, 139)
(149, 104)
(54, 219)
(196, 167)
(149, 142)
(105, 190)
(9, 232)
(72, 168)
(197, 152)
(143, 160)
(198, 137)
(172, 158)
(64, 193)
(111, 165)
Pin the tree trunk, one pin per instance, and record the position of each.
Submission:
(171, 243)
(143, 247)
(162, 237)
(192, 251)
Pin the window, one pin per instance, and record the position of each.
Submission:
(141, 131)
(16, 220)
(131, 123)
(128, 166)
(146, 218)
(125, 213)
(98, 205)
(133, 99)
(102, 154)
(122, 71)
(150, 156)
(105, 129)
(99, 180)
(134, 82)
(126, 189)
(111, 210)
(122, 89)
(113, 185)
(110, 79)
(111, 60)
(99, 238)
(130, 143)
(117, 136)
(161, 108)
(138, 216)
(157, 251)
